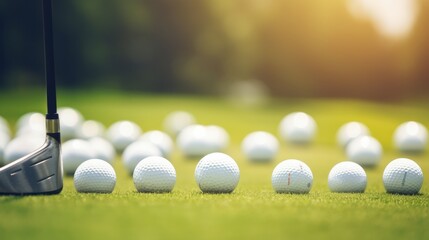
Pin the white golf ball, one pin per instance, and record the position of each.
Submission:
(160, 139)
(71, 121)
(217, 173)
(21, 146)
(347, 177)
(194, 141)
(90, 129)
(219, 138)
(123, 133)
(176, 121)
(349, 131)
(260, 146)
(31, 124)
(365, 151)
(136, 152)
(411, 137)
(292, 176)
(75, 152)
(95, 176)
(29, 118)
(104, 150)
(298, 128)
(154, 174)
(403, 176)
(4, 126)
(4, 140)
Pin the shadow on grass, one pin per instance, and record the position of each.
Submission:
(10, 198)
(215, 193)
(405, 195)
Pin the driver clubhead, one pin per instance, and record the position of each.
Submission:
(39, 172)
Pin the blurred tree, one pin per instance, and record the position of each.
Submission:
(298, 48)
(421, 44)
(21, 41)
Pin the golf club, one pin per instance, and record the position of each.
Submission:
(40, 172)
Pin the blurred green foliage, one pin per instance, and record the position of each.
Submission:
(297, 48)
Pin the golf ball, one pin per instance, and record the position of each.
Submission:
(4, 140)
(123, 133)
(136, 152)
(29, 118)
(260, 146)
(21, 146)
(219, 138)
(95, 176)
(194, 141)
(365, 151)
(176, 121)
(292, 176)
(4, 126)
(90, 129)
(403, 176)
(349, 131)
(154, 174)
(75, 152)
(217, 173)
(298, 128)
(160, 139)
(31, 124)
(411, 137)
(347, 177)
(103, 149)
(71, 121)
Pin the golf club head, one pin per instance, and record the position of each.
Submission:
(40, 172)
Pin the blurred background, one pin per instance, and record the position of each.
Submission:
(373, 49)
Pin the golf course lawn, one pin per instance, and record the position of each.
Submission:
(253, 210)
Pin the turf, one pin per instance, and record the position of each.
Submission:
(253, 211)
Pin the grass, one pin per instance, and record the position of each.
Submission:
(253, 211)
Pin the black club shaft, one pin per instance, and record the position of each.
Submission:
(49, 60)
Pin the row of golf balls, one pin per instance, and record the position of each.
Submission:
(219, 173)
(194, 140)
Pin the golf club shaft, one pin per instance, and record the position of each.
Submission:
(49, 60)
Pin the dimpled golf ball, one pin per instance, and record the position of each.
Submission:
(160, 139)
(123, 133)
(95, 176)
(260, 146)
(292, 176)
(217, 173)
(176, 121)
(71, 121)
(347, 177)
(349, 131)
(365, 151)
(411, 137)
(74, 152)
(194, 141)
(91, 129)
(403, 176)
(136, 152)
(154, 174)
(104, 150)
(298, 128)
